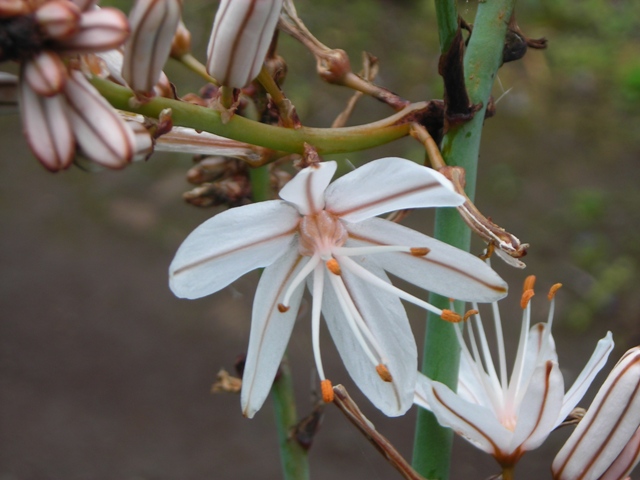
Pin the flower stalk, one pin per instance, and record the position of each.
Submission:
(325, 140)
(460, 147)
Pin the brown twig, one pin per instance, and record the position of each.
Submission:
(349, 408)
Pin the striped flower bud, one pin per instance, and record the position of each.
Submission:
(59, 19)
(605, 444)
(153, 25)
(242, 33)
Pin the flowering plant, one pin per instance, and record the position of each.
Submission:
(88, 81)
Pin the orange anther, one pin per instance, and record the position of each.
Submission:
(450, 316)
(419, 252)
(283, 308)
(526, 296)
(334, 266)
(327, 391)
(529, 283)
(384, 373)
(469, 314)
(553, 290)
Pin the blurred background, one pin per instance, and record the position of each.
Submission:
(105, 375)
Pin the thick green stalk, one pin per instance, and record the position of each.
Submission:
(325, 140)
(460, 146)
(294, 459)
(447, 16)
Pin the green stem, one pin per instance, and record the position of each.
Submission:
(325, 140)
(447, 16)
(294, 458)
(460, 146)
(260, 183)
(195, 66)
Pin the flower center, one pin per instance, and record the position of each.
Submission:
(320, 233)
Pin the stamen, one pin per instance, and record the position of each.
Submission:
(299, 278)
(529, 283)
(469, 314)
(553, 290)
(356, 322)
(334, 266)
(420, 252)
(526, 296)
(370, 249)
(372, 279)
(327, 390)
(384, 373)
(450, 316)
(283, 308)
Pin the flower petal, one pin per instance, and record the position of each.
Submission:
(270, 329)
(475, 423)
(47, 128)
(386, 319)
(103, 136)
(386, 185)
(607, 427)
(445, 269)
(586, 377)
(538, 411)
(306, 189)
(231, 244)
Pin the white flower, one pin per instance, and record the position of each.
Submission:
(606, 443)
(241, 35)
(504, 417)
(329, 235)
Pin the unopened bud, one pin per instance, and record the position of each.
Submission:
(181, 44)
(153, 25)
(13, 8)
(606, 442)
(58, 19)
(241, 35)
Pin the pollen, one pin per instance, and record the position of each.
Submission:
(553, 290)
(283, 308)
(327, 391)
(384, 373)
(419, 252)
(526, 296)
(529, 283)
(334, 266)
(469, 314)
(450, 316)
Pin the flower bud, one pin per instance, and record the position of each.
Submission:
(242, 33)
(606, 440)
(59, 19)
(181, 44)
(153, 25)
(98, 30)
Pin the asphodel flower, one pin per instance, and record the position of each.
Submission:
(606, 443)
(241, 35)
(503, 416)
(328, 237)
